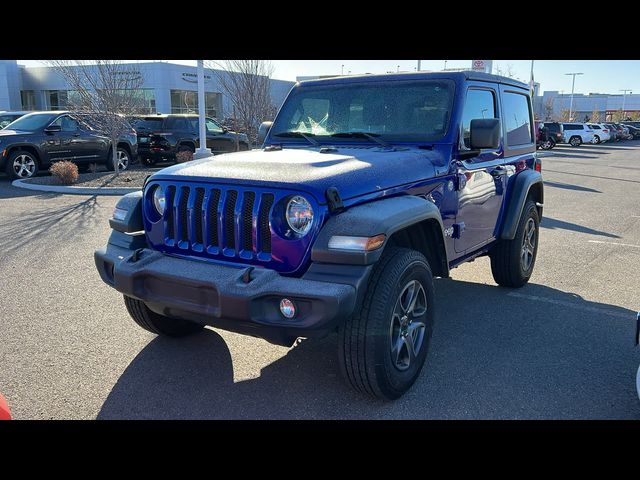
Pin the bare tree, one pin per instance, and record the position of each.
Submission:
(564, 115)
(548, 109)
(595, 116)
(247, 85)
(103, 92)
(506, 71)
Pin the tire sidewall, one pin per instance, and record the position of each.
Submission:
(530, 211)
(392, 381)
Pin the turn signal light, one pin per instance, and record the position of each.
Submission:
(362, 244)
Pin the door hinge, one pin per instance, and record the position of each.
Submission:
(458, 228)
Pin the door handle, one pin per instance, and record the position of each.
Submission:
(76, 134)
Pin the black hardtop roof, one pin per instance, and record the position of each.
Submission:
(461, 75)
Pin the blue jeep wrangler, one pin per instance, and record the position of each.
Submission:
(366, 188)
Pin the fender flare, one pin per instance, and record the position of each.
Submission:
(385, 216)
(522, 185)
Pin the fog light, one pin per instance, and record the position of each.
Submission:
(287, 308)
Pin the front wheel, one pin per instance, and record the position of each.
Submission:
(22, 164)
(512, 261)
(383, 346)
(159, 324)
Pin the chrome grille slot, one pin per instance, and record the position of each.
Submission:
(247, 221)
(230, 219)
(265, 231)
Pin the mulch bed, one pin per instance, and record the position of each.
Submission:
(133, 178)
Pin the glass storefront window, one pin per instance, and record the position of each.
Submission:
(186, 101)
(28, 98)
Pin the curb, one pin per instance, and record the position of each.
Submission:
(73, 190)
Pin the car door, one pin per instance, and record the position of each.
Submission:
(480, 178)
(218, 139)
(62, 144)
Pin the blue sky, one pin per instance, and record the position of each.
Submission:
(600, 76)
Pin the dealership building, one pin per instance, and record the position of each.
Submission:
(165, 88)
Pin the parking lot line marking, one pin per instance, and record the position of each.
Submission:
(563, 303)
(614, 243)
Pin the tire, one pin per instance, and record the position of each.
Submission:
(509, 266)
(596, 139)
(365, 354)
(159, 324)
(22, 164)
(147, 161)
(548, 144)
(575, 141)
(124, 160)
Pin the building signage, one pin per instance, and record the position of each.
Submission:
(481, 65)
(193, 78)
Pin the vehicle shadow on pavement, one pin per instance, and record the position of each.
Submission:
(568, 186)
(552, 224)
(536, 352)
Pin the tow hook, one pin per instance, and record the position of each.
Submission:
(135, 256)
(246, 275)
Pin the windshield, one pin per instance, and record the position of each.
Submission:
(32, 122)
(401, 111)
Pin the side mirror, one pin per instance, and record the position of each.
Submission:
(484, 133)
(53, 129)
(263, 131)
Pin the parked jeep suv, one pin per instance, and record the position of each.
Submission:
(366, 189)
(163, 136)
(37, 140)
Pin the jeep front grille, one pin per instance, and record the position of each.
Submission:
(225, 217)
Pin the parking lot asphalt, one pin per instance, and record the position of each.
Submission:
(559, 348)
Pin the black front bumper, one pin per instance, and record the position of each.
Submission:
(220, 296)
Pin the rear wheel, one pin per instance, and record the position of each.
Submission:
(575, 141)
(512, 261)
(159, 324)
(596, 139)
(124, 160)
(147, 161)
(548, 144)
(22, 164)
(383, 346)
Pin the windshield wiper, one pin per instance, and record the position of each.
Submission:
(369, 136)
(306, 136)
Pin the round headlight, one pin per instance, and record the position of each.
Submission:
(299, 215)
(159, 200)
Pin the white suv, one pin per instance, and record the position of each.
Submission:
(600, 132)
(575, 134)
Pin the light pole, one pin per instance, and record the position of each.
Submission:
(573, 84)
(202, 151)
(624, 100)
(342, 71)
(419, 65)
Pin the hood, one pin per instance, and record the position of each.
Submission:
(353, 171)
